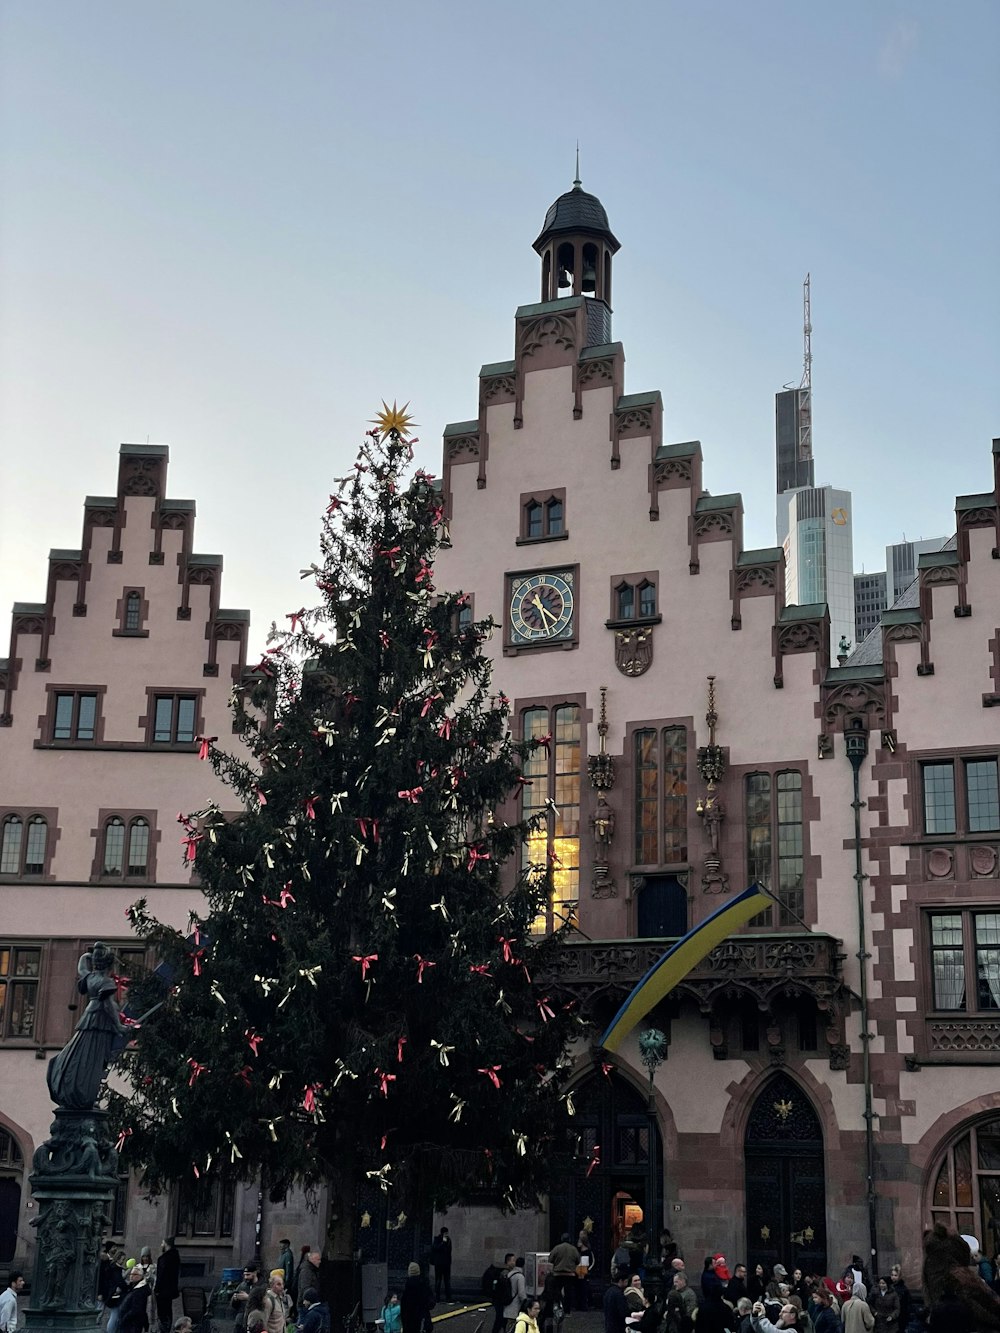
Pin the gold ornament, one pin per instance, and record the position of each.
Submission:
(366, 1220)
(588, 1225)
(393, 420)
(784, 1109)
(765, 1233)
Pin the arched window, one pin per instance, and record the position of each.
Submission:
(133, 611)
(965, 1184)
(24, 843)
(554, 772)
(138, 847)
(533, 518)
(35, 846)
(554, 517)
(647, 599)
(114, 846)
(626, 601)
(10, 848)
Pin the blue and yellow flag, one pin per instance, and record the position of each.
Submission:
(679, 960)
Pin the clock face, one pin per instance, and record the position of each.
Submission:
(541, 607)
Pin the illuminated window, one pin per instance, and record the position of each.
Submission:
(553, 771)
(660, 796)
(775, 846)
(965, 1182)
(19, 974)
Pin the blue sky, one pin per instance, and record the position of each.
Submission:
(235, 227)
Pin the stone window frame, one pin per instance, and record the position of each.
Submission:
(810, 815)
(967, 910)
(633, 729)
(147, 720)
(25, 813)
(543, 498)
(99, 834)
(635, 581)
(47, 721)
(121, 611)
(958, 761)
(11, 947)
(223, 1204)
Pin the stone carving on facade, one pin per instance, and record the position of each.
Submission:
(204, 575)
(601, 370)
(638, 419)
(983, 860)
(634, 650)
(965, 1035)
(983, 517)
(752, 577)
(853, 700)
(556, 330)
(824, 745)
(799, 637)
(463, 448)
(940, 862)
(713, 521)
(499, 387)
(672, 469)
(711, 762)
(906, 633)
(142, 477)
(939, 574)
(602, 883)
(101, 518)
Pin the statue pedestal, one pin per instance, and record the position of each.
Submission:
(73, 1180)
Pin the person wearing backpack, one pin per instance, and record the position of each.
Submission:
(519, 1292)
(526, 1320)
(503, 1293)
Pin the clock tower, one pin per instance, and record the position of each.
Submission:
(576, 245)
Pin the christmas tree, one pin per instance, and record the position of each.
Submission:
(363, 996)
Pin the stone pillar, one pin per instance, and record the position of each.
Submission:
(73, 1179)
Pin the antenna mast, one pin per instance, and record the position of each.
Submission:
(805, 384)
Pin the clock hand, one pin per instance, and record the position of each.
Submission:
(538, 602)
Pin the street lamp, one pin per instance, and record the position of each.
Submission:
(652, 1052)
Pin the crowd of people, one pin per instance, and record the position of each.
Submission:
(138, 1295)
(286, 1300)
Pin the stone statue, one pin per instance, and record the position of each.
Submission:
(76, 1073)
(602, 821)
(57, 1245)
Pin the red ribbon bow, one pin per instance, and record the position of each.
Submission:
(190, 845)
(545, 1009)
(481, 968)
(261, 798)
(196, 1071)
(309, 1100)
(335, 504)
(244, 1074)
(400, 1043)
(412, 795)
(595, 1159)
(196, 955)
(365, 824)
(390, 553)
(444, 730)
(475, 855)
(425, 572)
(120, 1143)
(383, 638)
(422, 963)
(295, 617)
(545, 741)
(429, 703)
(491, 1072)
(203, 743)
(384, 1081)
(366, 961)
(508, 953)
(606, 1068)
(120, 984)
(311, 806)
(254, 1040)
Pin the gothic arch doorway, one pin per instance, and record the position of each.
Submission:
(964, 1183)
(785, 1180)
(11, 1176)
(612, 1190)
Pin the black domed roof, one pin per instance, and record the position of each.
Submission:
(576, 211)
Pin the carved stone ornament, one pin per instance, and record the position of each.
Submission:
(101, 518)
(753, 577)
(984, 517)
(965, 1035)
(554, 330)
(800, 637)
(908, 633)
(602, 884)
(824, 746)
(598, 371)
(463, 448)
(672, 469)
(840, 1056)
(853, 700)
(142, 476)
(634, 651)
(983, 860)
(939, 574)
(638, 419)
(713, 521)
(940, 862)
(499, 386)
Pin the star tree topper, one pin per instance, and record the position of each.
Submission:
(393, 419)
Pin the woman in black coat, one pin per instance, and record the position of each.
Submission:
(416, 1301)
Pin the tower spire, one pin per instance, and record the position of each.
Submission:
(577, 182)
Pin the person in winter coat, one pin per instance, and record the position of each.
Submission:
(949, 1281)
(168, 1278)
(856, 1313)
(714, 1315)
(416, 1302)
(564, 1259)
(441, 1263)
(391, 1317)
(519, 1292)
(133, 1313)
(825, 1318)
(885, 1308)
(526, 1320)
(315, 1316)
(646, 1322)
(788, 1317)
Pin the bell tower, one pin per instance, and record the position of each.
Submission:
(576, 246)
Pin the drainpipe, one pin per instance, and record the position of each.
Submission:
(856, 748)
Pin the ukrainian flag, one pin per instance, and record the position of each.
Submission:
(679, 960)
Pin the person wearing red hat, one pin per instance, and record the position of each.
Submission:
(721, 1267)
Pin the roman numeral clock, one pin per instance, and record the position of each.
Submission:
(541, 608)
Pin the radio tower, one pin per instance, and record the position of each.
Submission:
(805, 384)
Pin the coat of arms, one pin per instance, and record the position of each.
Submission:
(634, 650)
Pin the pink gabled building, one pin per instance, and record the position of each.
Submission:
(107, 685)
(623, 594)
